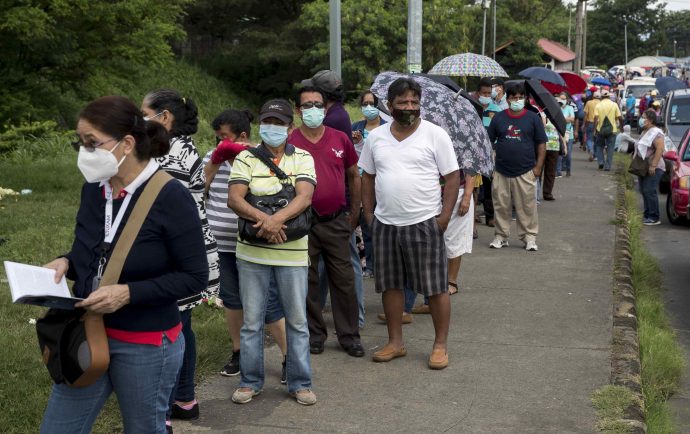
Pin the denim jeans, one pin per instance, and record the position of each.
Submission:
(410, 298)
(607, 142)
(291, 283)
(648, 187)
(142, 377)
(566, 162)
(368, 244)
(184, 386)
(590, 138)
(359, 284)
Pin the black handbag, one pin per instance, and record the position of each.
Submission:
(297, 227)
(639, 166)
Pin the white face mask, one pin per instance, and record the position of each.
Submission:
(98, 165)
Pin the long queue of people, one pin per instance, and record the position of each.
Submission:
(269, 230)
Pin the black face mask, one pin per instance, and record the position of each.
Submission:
(405, 117)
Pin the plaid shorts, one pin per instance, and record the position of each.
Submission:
(413, 255)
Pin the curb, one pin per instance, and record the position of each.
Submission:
(625, 358)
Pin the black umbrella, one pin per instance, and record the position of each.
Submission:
(452, 85)
(666, 84)
(548, 102)
(544, 74)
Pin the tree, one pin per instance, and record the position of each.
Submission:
(55, 48)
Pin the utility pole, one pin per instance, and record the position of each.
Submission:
(494, 31)
(675, 58)
(414, 36)
(584, 36)
(485, 6)
(570, 23)
(334, 33)
(578, 37)
(625, 26)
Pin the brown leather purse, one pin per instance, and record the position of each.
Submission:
(73, 343)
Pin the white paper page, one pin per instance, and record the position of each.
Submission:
(34, 281)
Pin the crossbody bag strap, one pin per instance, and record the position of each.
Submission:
(268, 162)
(132, 227)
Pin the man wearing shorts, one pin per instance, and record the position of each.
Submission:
(409, 221)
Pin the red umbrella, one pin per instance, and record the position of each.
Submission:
(573, 84)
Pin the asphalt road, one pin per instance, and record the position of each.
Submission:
(669, 244)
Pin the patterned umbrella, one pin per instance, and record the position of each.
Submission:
(468, 64)
(454, 114)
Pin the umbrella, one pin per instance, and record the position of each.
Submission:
(469, 65)
(601, 81)
(574, 84)
(454, 114)
(548, 102)
(543, 74)
(666, 84)
(450, 84)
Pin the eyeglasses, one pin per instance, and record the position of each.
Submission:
(308, 105)
(90, 145)
(365, 104)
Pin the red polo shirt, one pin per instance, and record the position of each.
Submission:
(333, 154)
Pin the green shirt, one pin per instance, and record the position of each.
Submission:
(249, 170)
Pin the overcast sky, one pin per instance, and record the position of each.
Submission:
(672, 5)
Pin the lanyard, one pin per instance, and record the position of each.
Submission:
(109, 229)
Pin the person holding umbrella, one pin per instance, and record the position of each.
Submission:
(520, 143)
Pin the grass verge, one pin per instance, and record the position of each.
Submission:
(661, 356)
(34, 229)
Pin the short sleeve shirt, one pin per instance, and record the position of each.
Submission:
(333, 154)
(221, 219)
(516, 139)
(407, 172)
(607, 109)
(568, 112)
(249, 170)
(589, 110)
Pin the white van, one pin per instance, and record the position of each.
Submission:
(638, 87)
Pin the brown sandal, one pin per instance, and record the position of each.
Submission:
(454, 285)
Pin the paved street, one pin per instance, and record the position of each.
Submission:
(669, 244)
(530, 341)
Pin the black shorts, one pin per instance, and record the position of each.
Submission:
(413, 255)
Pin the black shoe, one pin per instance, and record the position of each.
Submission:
(355, 350)
(180, 413)
(233, 366)
(283, 375)
(168, 429)
(316, 347)
(601, 167)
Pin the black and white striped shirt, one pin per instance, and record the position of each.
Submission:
(221, 219)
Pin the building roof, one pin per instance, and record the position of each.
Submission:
(558, 51)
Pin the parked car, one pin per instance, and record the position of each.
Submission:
(677, 199)
(675, 115)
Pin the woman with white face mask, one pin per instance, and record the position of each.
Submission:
(650, 147)
(178, 115)
(117, 152)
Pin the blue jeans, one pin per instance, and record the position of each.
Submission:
(607, 142)
(590, 138)
(410, 297)
(184, 386)
(142, 377)
(650, 198)
(566, 163)
(368, 244)
(291, 283)
(359, 284)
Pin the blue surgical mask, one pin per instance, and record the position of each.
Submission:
(494, 93)
(517, 106)
(313, 117)
(273, 135)
(484, 100)
(641, 122)
(370, 112)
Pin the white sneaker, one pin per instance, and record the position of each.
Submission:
(497, 243)
(531, 246)
(244, 396)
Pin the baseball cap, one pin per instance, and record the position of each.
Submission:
(276, 108)
(326, 80)
(497, 81)
(597, 94)
(656, 103)
(654, 92)
(605, 92)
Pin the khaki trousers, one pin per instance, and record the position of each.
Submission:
(521, 191)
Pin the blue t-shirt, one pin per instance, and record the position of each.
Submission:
(516, 139)
(630, 103)
(568, 112)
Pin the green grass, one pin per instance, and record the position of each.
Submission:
(35, 229)
(661, 355)
(610, 402)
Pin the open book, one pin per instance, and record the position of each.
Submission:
(36, 285)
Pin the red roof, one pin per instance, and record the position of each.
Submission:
(557, 51)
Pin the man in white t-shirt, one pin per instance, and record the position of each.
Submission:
(410, 217)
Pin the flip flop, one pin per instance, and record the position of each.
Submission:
(454, 285)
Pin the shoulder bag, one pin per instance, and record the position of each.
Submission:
(297, 227)
(73, 343)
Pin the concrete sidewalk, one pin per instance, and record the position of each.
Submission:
(529, 342)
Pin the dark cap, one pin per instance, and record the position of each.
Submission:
(326, 80)
(497, 81)
(276, 108)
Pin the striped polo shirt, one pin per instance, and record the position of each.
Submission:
(247, 169)
(221, 219)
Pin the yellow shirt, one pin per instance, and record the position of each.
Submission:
(607, 109)
(589, 109)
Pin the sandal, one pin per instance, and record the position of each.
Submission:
(454, 285)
